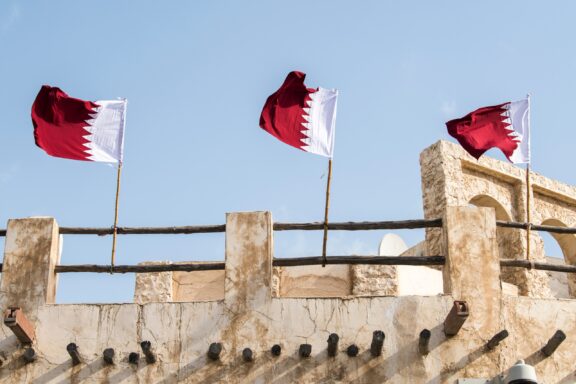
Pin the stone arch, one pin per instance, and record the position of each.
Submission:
(567, 243)
(509, 242)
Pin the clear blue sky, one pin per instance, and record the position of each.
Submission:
(196, 75)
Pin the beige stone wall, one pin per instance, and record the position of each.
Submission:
(249, 316)
(451, 177)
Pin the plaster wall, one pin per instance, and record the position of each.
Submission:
(249, 316)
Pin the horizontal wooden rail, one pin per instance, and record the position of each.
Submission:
(359, 225)
(316, 226)
(303, 261)
(189, 229)
(355, 260)
(534, 227)
(343, 226)
(540, 266)
(183, 267)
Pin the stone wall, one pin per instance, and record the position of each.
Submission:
(249, 316)
(451, 177)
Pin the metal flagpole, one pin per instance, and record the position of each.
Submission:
(115, 231)
(326, 213)
(528, 225)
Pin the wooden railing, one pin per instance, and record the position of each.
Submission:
(301, 261)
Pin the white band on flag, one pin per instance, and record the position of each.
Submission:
(520, 120)
(106, 139)
(321, 122)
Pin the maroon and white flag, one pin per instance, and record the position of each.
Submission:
(78, 129)
(505, 126)
(302, 117)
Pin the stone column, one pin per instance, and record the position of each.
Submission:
(248, 282)
(472, 270)
(31, 253)
(472, 273)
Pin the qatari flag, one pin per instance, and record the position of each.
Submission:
(78, 129)
(505, 126)
(302, 117)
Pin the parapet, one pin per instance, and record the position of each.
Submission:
(248, 332)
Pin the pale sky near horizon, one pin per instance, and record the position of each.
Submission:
(196, 75)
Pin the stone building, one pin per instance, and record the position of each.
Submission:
(251, 304)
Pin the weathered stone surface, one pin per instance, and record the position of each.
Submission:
(250, 317)
(374, 280)
(31, 251)
(154, 287)
(198, 285)
(451, 177)
(315, 281)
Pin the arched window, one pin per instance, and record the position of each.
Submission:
(567, 244)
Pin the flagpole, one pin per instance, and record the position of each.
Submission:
(115, 231)
(528, 225)
(325, 240)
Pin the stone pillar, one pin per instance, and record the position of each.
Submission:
(31, 252)
(249, 249)
(472, 273)
(472, 270)
(442, 181)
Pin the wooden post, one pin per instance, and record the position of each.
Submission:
(74, 354)
(333, 344)
(496, 339)
(528, 211)
(377, 343)
(424, 341)
(553, 343)
(325, 240)
(115, 230)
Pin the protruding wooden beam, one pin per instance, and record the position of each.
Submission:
(352, 350)
(29, 355)
(456, 318)
(214, 351)
(72, 349)
(15, 319)
(108, 356)
(554, 343)
(424, 341)
(496, 339)
(305, 350)
(134, 358)
(247, 355)
(333, 344)
(276, 350)
(377, 343)
(147, 350)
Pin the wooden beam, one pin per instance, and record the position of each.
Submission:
(534, 227)
(373, 260)
(343, 226)
(540, 266)
(456, 318)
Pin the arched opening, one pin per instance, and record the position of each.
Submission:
(558, 280)
(509, 246)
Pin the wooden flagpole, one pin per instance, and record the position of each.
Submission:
(325, 240)
(529, 224)
(115, 232)
(528, 211)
